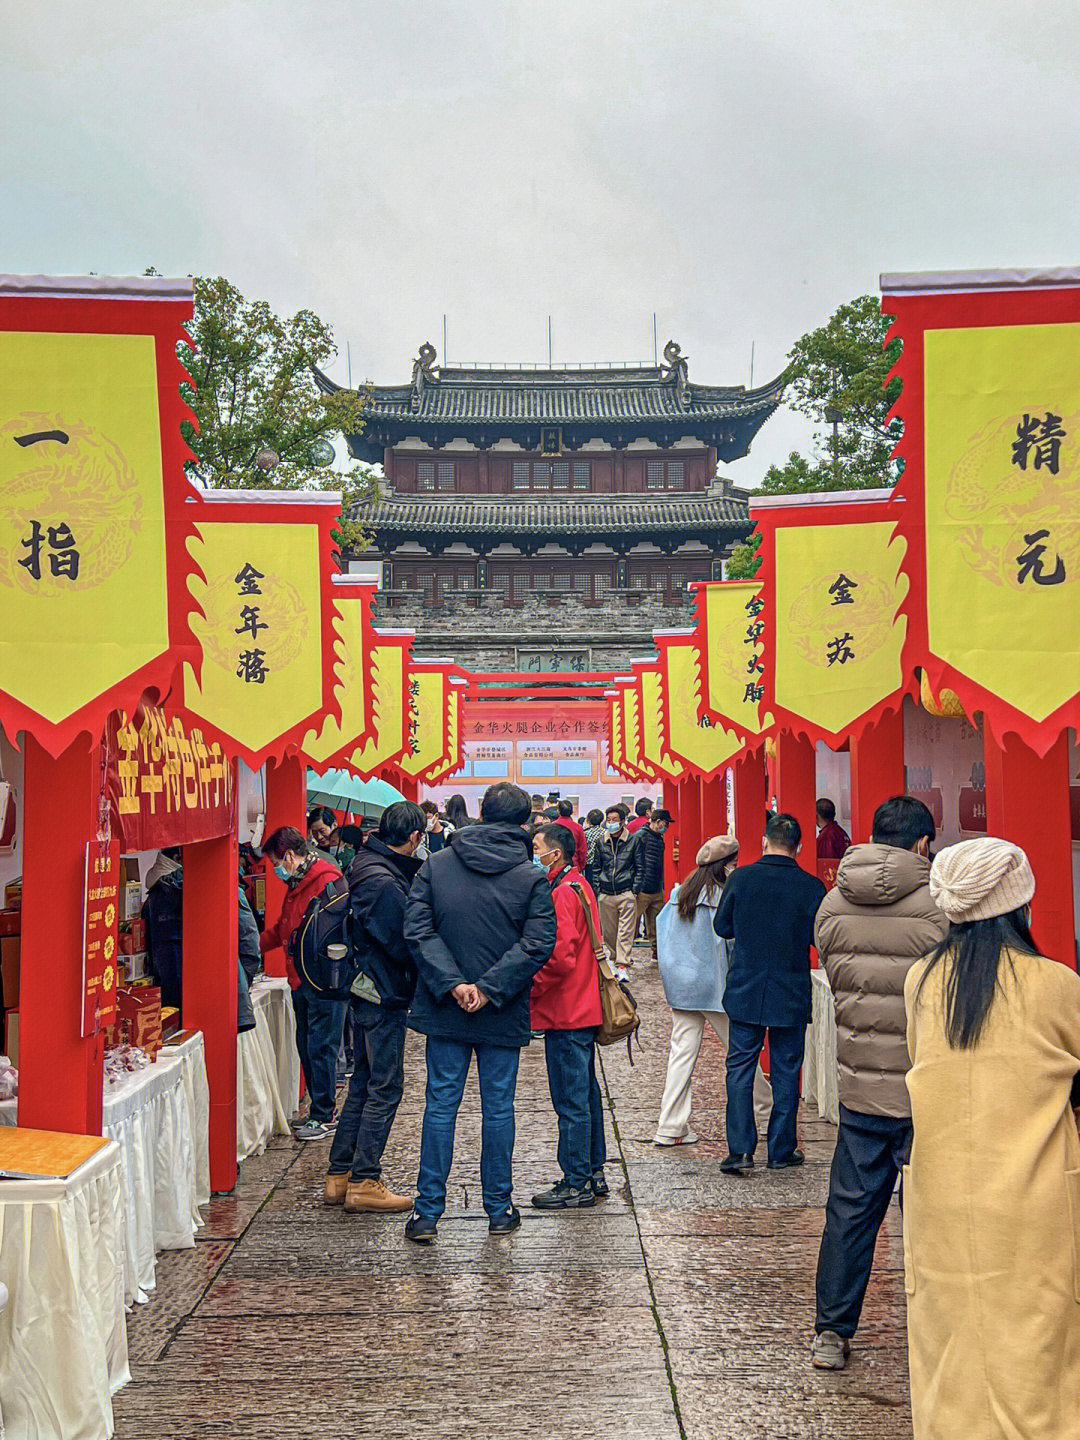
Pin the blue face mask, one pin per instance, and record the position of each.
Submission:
(539, 864)
(281, 872)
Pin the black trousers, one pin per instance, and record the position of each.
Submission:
(375, 1091)
(871, 1151)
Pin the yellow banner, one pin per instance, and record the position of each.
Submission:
(1003, 509)
(388, 680)
(350, 692)
(654, 740)
(632, 732)
(428, 739)
(261, 629)
(705, 747)
(838, 637)
(82, 525)
(731, 612)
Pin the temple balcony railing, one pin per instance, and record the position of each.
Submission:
(632, 608)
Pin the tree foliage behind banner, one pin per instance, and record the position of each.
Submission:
(253, 395)
(841, 370)
(991, 512)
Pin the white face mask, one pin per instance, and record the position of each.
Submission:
(613, 827)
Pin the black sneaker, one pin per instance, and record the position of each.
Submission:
(418, 1229)
(795, 1158)
(600, 1185)
(564, 1196)
(736, 1164)
(507, 1223)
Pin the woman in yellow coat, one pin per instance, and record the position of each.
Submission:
(992, 1194)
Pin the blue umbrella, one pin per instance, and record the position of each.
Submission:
(342, 791)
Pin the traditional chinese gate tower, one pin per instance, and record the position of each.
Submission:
(551, 519)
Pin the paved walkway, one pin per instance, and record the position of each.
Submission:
(680, 1306)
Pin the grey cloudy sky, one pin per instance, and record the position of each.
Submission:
(740, 167)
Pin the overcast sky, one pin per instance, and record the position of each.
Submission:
(741, 167)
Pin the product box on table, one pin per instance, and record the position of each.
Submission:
(132, 936)
(13, 894)
(10, 922)
(170, 1021)
(138, 1017)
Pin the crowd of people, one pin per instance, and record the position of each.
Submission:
(958, 1050)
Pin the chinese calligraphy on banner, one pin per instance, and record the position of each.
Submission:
(390, 706)
(653, 721)
(166, 786)
(266, 624)
(92, 560)
(340, 735)
(991, 409)
(703, 747)
(101, 917)
(730, 627)
(831, 576)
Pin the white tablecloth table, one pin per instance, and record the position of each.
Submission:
(149, 1112)
(267, 1068)
(820, 1078)
(63, 1341)
(192, 1051)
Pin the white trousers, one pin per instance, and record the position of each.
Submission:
(687, 1031)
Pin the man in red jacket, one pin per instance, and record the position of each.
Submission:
(319, 1021)
(566, 1006)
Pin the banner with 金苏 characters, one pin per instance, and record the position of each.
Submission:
(990, 367)
(93, 562)
(833, 590)
(266, 621)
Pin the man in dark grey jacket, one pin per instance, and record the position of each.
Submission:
(871, 929)
(480, 922)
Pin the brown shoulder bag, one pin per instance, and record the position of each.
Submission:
(621, 1018)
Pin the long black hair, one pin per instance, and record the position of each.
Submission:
(971, 984)
(456, 811)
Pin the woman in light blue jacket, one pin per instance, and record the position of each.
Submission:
(693, 964)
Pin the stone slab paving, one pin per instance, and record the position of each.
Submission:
(680, 1306)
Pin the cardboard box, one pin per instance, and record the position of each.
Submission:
(13, 894)
(133, 900)
(132, 938)
(132, 969)
(9, 969)
(10, 922)
(170, 1021)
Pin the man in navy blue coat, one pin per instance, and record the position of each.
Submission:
(768, 910)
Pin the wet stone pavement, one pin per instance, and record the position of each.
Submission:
(680, 1306)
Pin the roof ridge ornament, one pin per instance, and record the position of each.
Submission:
(676, 369)
(422, 372)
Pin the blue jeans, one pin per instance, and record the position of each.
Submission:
(575, 1094)
(447, 1070)
(319, 1023)
(786, 1045)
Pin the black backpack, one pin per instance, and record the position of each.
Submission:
(327, 921)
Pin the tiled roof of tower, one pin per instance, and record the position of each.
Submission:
(553, 517)
(657, 402)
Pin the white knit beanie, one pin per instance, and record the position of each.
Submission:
(979, 879)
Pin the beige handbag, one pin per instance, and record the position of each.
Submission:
(621, 1018)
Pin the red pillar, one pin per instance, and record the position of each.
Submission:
(670, 799)
(713, 806)
(796, 791)
(286, 804)
(690, 834)
(751, 799)
(877, 772)
(210, 981)
(60, 1073)
(1027, 802)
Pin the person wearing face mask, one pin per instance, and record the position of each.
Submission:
(871, 929)
(650, 897)
(565, 1006)
(379, 883)
(618, 880)
(319, 1021)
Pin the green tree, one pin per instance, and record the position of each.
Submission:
(745, 560)
(838, 377)
(262, 421)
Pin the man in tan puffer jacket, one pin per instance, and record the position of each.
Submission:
(876, 923)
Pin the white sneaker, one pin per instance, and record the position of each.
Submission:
(665, 1140)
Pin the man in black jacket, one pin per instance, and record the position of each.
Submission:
(768, 909)
(616, 879)
(379, 881)
(481, 923)
(650, 894)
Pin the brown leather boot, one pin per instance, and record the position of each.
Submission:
(364, 1195)
(336, 1186)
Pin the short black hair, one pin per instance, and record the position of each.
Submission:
(826, 809)
(505, 804)
(429, 807)
(553, 795)
(325, 815)
(565, 808)
(642, 807)
(536, 800)
(560, 837)
(284, 839)
(399, 821)
(352, 835)
(595, 817)
(903, 821)
(783, 831)
(617, 809)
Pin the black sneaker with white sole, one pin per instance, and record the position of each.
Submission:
(564, 1196)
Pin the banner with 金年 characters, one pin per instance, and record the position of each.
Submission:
(990, 367)
(834, 637)
(267, 619)
(93, 564)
